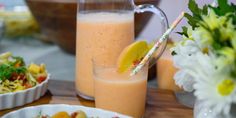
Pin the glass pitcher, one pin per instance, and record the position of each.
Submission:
(105, 27)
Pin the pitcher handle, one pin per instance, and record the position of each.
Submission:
(164, 23)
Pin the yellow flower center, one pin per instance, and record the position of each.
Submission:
(205, 50)
(226, 87)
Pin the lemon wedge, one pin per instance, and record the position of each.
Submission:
(132, 55)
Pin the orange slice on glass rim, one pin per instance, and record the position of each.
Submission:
(132, 55)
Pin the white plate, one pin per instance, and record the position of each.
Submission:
(15, 99)
(32, 112)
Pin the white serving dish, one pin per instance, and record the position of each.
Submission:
(15, 99)
(32, 112)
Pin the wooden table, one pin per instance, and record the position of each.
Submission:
(160, 103)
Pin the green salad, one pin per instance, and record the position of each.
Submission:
(16, 76)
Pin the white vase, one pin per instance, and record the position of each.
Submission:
(185, 98)
(202, 111)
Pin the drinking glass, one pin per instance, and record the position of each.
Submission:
(120, 92)
(106, 27)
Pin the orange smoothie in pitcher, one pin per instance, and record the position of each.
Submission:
(103, 33)
(120, 92)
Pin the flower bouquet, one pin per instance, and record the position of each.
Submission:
(206, 59)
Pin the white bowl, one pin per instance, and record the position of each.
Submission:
(15, 99)
(32, 112)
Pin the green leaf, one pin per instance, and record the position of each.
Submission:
(173, 53)
(196, 16)
(224, 8)
(184, 32)
(191, 20)
(193, 7)
(205, 10)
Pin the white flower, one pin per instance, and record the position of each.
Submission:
(206, 59)
(215, 89)
(184, 61)
(225, 62)
(202, 37)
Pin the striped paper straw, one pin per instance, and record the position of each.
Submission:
(157, 45)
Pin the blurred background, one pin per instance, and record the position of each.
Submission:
(44, 30)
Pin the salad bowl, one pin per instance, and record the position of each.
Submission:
(20, 84)
(20, 98)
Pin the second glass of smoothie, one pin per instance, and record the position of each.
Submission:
(119, 92)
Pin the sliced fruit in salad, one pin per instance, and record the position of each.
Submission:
(16, 76)
(64, 114)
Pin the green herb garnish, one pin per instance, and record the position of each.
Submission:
(6, 71)
(16, 65)
(18, 60)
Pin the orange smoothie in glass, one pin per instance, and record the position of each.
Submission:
(120, 92)
(104, 33)
(166, 72)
